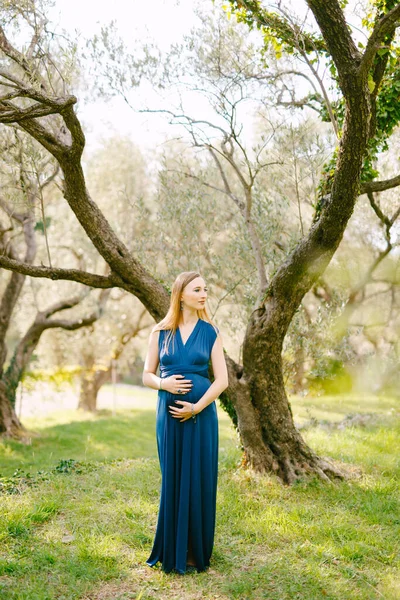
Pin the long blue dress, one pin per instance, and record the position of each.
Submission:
(188, 454)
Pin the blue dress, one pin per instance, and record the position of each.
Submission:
(188, 454)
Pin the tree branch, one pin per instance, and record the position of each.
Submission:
(188, 119)
(379, 186)
(20, 59)
(65, 304)
(9, 113)
(279, 26)
(383, 218)
(68, 303)
(47, 139)
(71, 325)
(299, 44)
(333, 26)
(240, 204)
(384, 26)
(15, 283)
(90, 279)
(209, 185)
(26, 346)
(387, 223)
(20, 217)
(74, 126)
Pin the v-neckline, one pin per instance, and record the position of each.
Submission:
(184, 344)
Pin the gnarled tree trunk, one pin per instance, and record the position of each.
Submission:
(91, 382)
(10, 425)
(92, 379)
(270, 439)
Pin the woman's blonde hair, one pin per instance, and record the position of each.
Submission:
(171, 319)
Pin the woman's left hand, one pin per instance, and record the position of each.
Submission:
(183, 413)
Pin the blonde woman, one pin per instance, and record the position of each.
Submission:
(186, 425)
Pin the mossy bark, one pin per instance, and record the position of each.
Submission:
(10, 425)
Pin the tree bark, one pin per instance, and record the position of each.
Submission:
(10, 425)
(91, 382)
(278, 446)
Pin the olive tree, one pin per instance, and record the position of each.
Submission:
(271, 441)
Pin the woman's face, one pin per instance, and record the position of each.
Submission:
(194, 294)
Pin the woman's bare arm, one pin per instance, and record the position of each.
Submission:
(149, 378)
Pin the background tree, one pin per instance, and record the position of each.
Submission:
(257, 390)
(26, 175)
(95, 373)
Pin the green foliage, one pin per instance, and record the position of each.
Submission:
(113, 67)
(283, 36)
(377, 9)
(387, 118)
(39, 226)
(332, 377)
(57, 376)
(228, 407)
(277, 32)
(67, 466)
(387, 102)
(312, 344)
(12, 378)
(20, 480)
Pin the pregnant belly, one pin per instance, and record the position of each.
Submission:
(200, 386)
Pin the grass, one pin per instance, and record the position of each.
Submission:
(83, 530)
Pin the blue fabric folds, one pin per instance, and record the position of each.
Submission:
(188, 455)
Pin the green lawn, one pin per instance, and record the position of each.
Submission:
(81, 526)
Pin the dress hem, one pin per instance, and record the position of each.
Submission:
(189, 568)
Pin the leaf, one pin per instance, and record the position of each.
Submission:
(371, 84)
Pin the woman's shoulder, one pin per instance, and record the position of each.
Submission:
(157, 331)
(211, 326)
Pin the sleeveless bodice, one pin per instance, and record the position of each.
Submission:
(191, 358)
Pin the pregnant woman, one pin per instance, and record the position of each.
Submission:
(187, 430)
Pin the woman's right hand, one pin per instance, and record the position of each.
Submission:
(173, 383)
